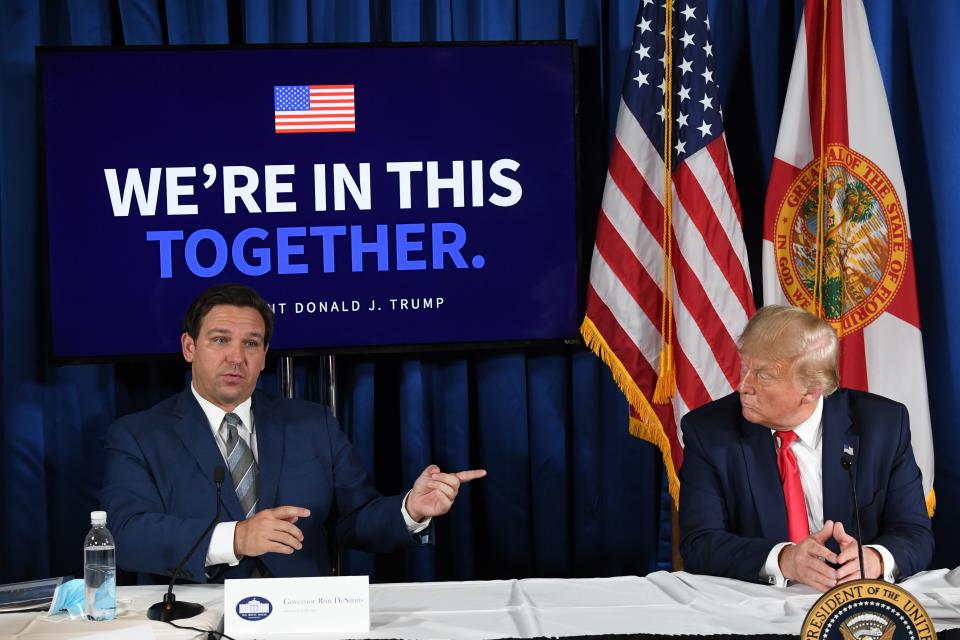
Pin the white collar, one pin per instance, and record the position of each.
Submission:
(810, 431)
(215, 414)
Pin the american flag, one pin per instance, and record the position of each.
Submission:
(709, 274)
(314, 108)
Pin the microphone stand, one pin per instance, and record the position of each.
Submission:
(846, 459)
(169, 609)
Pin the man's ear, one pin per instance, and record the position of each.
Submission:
(812, 395)
(188, 346)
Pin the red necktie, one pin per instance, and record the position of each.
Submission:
(797, 528)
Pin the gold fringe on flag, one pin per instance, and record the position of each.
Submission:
(645, 424)
(666, 376)
(655, 435)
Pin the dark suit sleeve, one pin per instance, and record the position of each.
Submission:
(366, 520)
(904, 527)
(706, 544)
(148, 539)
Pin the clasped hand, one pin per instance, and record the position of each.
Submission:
(806, 561)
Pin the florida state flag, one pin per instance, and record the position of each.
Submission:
(836, 232)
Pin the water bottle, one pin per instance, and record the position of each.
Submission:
(99, 570)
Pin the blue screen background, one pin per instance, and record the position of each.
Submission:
(146, 109)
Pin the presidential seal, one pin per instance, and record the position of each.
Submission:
(864, 237)
(867, 610)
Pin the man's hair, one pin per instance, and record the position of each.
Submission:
(798, 339)
(235, 295)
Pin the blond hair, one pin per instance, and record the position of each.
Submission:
(791, 336)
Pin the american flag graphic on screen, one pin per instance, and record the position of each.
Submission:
(314, 108)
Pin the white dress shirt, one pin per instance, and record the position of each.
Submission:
(220, 550)
(807, 449)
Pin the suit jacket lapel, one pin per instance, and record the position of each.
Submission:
(194, 430)
(270, 441)
(837, 432)
(760, 456)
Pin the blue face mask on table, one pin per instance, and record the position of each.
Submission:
(69, 597)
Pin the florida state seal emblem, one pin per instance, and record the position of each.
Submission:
(864, 238)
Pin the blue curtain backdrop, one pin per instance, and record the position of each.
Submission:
(569, 493)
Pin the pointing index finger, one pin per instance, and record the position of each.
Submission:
(472, 474)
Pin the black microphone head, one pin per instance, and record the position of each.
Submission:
(218, 473)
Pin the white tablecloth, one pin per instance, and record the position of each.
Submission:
(670, 603)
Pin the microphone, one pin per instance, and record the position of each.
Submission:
(846, 459)
(169, 609)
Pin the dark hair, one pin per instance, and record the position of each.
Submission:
(236, 295)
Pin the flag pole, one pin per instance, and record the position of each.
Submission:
(819, 273)
(666, 376)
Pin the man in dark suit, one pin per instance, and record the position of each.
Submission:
(764, 495)
(289, 467)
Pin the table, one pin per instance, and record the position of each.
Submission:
(662, 602)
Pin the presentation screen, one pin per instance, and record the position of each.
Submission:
(377, 197)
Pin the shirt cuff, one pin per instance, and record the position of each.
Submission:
(890, 571)
(412, 525)
(771, 573)
(220, 550)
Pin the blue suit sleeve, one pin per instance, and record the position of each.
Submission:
(903, 525)
(148, 539)
(706, 544)
(365, 520)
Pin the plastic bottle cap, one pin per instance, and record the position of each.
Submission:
(98, 517)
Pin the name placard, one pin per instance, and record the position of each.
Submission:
(261, 608)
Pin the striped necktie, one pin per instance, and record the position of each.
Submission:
(243, 468)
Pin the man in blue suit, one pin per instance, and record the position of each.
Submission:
(289, 467)
(764, 495)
